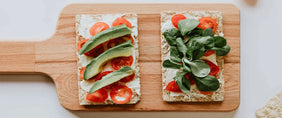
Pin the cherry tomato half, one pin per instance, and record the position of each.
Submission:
(207, 22)
(102, 74)
(214, 68)
(176, 18)
(81, 43)
(119, 62)
(173, 87)
(203, 92)
(121, 94)
(98, 27)
(190, 78)
(81, 73)
(128, 78)
(95, 52)
(208, 53)
(120, 21)
(99, 96)
(119, 40)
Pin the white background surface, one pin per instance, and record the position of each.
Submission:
(35, 95)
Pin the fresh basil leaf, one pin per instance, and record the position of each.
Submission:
(219, 41)
(174, 54)
(170, 64)
(171, 35)
(187, 25)
(208, 32)
(207, 84)
(181, 46)
(222, 51)
(182, 82)
(198, 67)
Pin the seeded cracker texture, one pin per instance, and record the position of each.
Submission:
(194, 95)
(83, 24)
(272, 109)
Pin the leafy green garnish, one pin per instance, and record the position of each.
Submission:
(187, 46)
(208, 83)
(208, 32)
(174, 54)
(198, 67)
(170, 64)
(182, 82)
(222, 51)
(219, 41)
(181, 46)
(171, 35)
(187, 25)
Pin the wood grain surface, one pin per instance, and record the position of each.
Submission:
(56, 56)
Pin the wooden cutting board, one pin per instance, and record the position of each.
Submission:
(56, 57)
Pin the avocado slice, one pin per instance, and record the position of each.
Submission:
(111, 78)
(106, 35)
(95, 66)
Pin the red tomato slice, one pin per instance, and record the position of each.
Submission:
(173, 87)
(99, 96)
(81, 73)
(95, 52)
(128, 78)
(176, 18)
(102, 74)
(119, 40)
(98, 27)
(190, 78)
(120, 21)
(203, 92)
(121, 94)
(207, 22)
(214, 68)
(119, 62)
(209, 52)
(81, 43)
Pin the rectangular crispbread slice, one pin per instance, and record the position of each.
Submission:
(168, 74)
(83, 24)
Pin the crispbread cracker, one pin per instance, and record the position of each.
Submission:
(82, 33)
(272, 109)
(194, 95)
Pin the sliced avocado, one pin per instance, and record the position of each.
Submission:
(95, 66)
(106, 35)
(111, 78)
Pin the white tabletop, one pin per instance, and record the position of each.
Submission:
(35, 95)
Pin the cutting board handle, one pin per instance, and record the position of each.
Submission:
(17, 57)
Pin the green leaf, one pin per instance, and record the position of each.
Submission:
(185, 67)
(182, 82)
(222, 51)
(198, 45)
(208, 32)
(181, 46)
(111, 78)
(198, 67)
(207, 84)
(187, 25)
(174, 54)
(219, 41)
(197, 54)
(171, 35)
(170, 64)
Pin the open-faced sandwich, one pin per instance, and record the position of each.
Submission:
(107, 50)
(193, 47)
